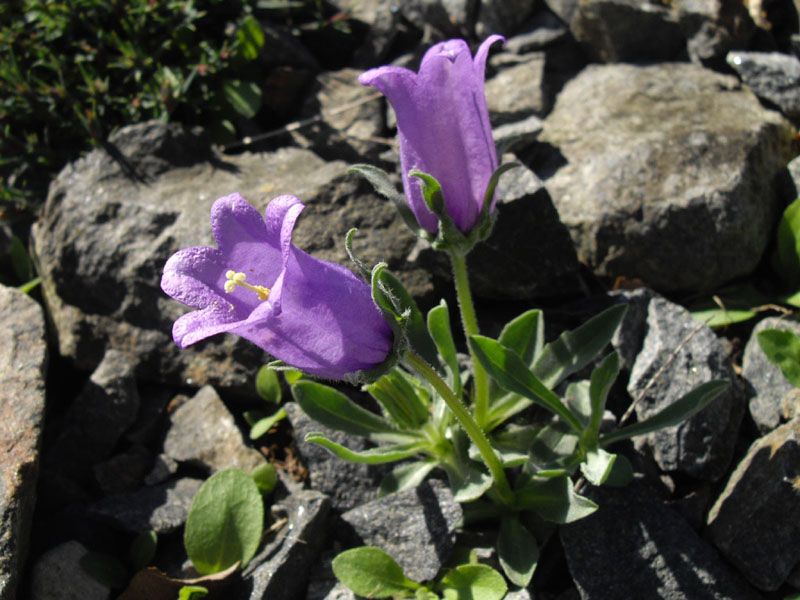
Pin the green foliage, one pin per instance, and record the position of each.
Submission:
(265, 477)
(371, 573)
(782, 348)
(268, 385)
(786, 259)
(225, 522)
(192, 592)
(517, 551)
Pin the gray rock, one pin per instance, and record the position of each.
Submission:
(382, 18)
(203, 434)
(322, 583)
(713, 27)
(629, 337)
(678, 354)
(352, 118)
(794, 172)
(767, 385)
(518, 134)
(57, 575)
(97, 419)
(635, 546)
(528, 255)
(517, 90)
(162, 508)
(660, 175)
(773, 77)
(755, 522)
(564, 9)
(23, 365)
(445, 17)
(540, 32)
(163, 469)
(627, 30)
(280, 571)
(124, 472)
(502, 16)
(416, 527)
(347, 484)
(109, 229)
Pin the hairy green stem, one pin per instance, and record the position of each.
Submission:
(465, 419)
(470, 323)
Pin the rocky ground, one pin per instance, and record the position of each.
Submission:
(655, 138)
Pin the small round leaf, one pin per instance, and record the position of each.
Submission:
(370, 572)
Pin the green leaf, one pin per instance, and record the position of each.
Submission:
(192, 592)
(20, 261)
(517, 551)
(262, 426)
(243, 96)
(405, 477)
(370, 572)
(525, 335)
(268, 386)
(603, 377)
(488, 195)
(29, 286)
(782, 348)
(577, 398)
(574, 349)
(554, 446)
(399, 399)
(425, 594)
(786, 259)
(621, 472)
(507, 369)
(265, 477)
(598, 466)
(383, 185)
(335, 410)
(373, 456)
(142, 550)
(292, 376)
(442, 334)
(675, 413)
(470, 582)
(249, 38)
(468, 482)
(554, 499)
(106, 569)
(225, 522)
(730, 305)
(431, 191)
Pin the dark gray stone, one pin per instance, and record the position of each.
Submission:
(162, 508)
(629, 337)
(767, 385)
(23, 366)
(678, 354)
(108, 230)
(528, 255)
(445, 17)
(755, 522)
(382, 19)
(503, 16)
(713, 28)
(518, 134)
(163, 469)
(538, 33)
(97, 419)
(635, 546)
(204, 434)
(280, 571)
(627, 30)
(58, 575)
(773, 77)
(664, 173)
(416, 527)
(564, 9)
(124, 472)
(347, 484)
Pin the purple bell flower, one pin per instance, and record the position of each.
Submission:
(314, 315)
(443, 127)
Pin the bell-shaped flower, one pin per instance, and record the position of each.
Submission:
(311, 314)
(443, 128)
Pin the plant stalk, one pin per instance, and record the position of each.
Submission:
(469, 321)
(465, 419)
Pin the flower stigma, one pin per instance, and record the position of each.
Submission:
(239, 279)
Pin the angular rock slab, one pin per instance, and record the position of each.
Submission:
(767, 385)
(23, 365)
(347, 484)
(280, 571)
(635, 546)
(756, 520)
(108, 228)
(665, 173)
(678, 354)
(203, 434)
(773, 76)
(58, 575)
(161, 508)
(416, 527)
